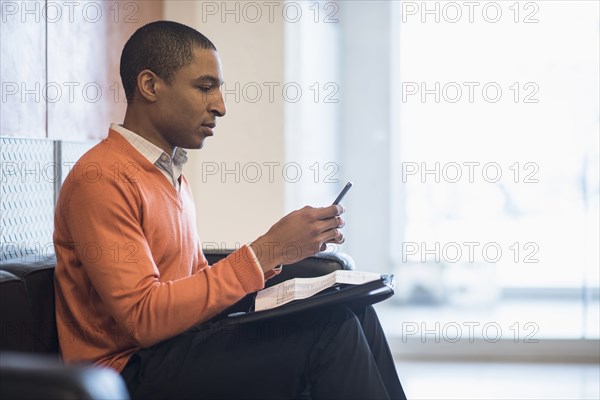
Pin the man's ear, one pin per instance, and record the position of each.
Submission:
(146, 83)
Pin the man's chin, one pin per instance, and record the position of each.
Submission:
(193, 145)
(201, 144)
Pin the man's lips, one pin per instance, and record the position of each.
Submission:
(208, 128)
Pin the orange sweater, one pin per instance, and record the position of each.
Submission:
(130, 268)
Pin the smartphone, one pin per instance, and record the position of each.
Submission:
(343, 193)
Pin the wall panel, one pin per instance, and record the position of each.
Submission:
(59, 65)
(83, 59)
(28, 177)
(22, 69)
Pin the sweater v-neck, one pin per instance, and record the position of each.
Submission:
(122, 145)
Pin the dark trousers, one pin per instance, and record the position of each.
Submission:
(331, 353)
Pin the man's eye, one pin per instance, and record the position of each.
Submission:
(205, 88)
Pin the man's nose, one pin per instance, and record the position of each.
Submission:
(218, 107)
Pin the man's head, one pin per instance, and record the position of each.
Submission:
(172, 78)
(162, 47)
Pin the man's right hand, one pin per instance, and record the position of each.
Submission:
(300, 234)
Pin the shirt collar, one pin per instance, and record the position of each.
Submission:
(149, 150)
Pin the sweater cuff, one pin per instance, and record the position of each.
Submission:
(247, 269)
(269, 274)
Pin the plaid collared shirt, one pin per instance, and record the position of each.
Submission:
(170, 166)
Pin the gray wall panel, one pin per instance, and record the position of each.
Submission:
(27, 181)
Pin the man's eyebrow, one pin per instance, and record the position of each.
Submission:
(209, 78)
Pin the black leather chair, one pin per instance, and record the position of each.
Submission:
(27, 320)
(35, 376)
(30, 365)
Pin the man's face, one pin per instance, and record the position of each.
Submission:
(189, 106)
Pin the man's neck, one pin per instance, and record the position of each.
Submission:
(141, 127)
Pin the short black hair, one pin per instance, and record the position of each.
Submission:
(162, 47)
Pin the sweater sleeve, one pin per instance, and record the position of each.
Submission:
(104, 217)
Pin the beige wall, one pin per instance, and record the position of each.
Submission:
(233, 212)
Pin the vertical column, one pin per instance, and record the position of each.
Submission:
(365, 130)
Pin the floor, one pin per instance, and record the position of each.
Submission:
(522, 381)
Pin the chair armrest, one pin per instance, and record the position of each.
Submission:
(320, 264)
(29, 376)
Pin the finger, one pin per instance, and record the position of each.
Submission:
(331, 223)
(338, 240)
(330, 212)
(330, 235)
(338, 222)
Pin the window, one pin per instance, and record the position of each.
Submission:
(496, 166)
(470, 130)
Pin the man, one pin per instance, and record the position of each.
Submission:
(133, 289)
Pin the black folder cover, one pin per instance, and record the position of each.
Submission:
(348, 295)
